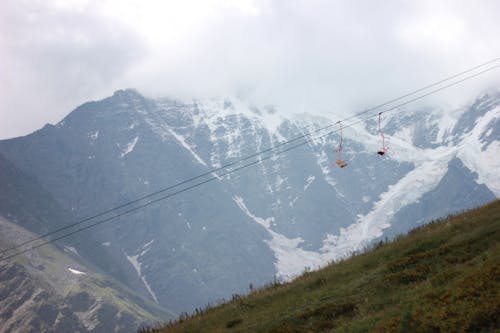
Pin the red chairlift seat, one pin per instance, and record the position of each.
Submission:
(340, 162)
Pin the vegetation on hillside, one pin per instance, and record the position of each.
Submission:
(442, 277)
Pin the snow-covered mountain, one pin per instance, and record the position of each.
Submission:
(287, 212)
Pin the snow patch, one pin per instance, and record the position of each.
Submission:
(291, 260)
(279, 182)
(130, 147)
(266, 223)
(94, 135)
(484, 161)
(267, 118)
(183, 143)
(409, 189)
(446, 123)
(76, 272)
(324, 164)
(72, 250)
(146, 247)
(309, 181)
(137, 266)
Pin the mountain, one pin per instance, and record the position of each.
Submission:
(287, 212)
(441, 277)
(49, 291)
(52, 288)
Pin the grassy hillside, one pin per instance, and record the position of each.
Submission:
(40, 292)
(443, 277)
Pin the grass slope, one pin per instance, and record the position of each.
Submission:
(47, 268)
(442, 277)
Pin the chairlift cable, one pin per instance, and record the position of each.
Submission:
(391, 109)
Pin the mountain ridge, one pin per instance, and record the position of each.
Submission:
(293, 211)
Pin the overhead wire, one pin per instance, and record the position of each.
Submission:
(216, 177)
(259, 153)
(234, 163)
(411, 93)
(154, 201)
(357, 115)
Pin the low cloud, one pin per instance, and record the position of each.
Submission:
(55, 58)
(323, 56)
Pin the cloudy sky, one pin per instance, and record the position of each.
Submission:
(324, 56)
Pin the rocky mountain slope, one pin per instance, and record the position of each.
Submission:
(287, 212)
(54, 289)
(49, 291)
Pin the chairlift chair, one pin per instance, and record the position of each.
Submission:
(385, 144)
(340, 162)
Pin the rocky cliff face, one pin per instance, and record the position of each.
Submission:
(49, 291)
(287, 212)
(53, 288)
(28, 306)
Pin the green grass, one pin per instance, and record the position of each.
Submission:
(49, 266)
(443, 277)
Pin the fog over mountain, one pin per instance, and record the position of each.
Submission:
(327, 57)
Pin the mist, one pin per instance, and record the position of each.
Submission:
(301, 56)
